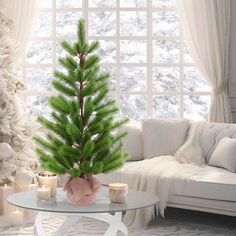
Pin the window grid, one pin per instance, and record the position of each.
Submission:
(149, 92)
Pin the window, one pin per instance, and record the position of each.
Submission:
(152, 73)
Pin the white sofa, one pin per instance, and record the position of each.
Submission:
(215, 193)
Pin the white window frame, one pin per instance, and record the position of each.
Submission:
(118, 65)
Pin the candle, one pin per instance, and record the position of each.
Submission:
(17, 217)
(118, 192)
(5, 191)
(43, 193)
(48, 180)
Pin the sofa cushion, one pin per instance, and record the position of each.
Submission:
(225, 154)
(133, 143)
(212, 135)
(163, 137)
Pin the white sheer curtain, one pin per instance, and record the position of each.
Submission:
(206, 29)
(23, 14)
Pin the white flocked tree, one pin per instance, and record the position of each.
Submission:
(16, 129)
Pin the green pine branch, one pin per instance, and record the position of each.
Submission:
(81, 137)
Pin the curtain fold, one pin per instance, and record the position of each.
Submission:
(23, 14)
(205, 26)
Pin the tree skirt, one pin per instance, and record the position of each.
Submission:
(177, 222)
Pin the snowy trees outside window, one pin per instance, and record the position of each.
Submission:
(141, 46)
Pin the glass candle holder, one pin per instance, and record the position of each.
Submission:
(118, 192)
(49, 180)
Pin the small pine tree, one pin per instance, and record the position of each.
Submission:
(81, 138)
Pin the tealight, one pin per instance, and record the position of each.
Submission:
(118, 192)
(43, 193)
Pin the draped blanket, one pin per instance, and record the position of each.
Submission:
(158, 175)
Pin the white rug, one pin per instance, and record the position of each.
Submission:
(177, 222)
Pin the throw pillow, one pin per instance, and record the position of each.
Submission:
(225, 154)
(133, 143)
(163, 137)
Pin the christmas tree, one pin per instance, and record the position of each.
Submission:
(82, 138)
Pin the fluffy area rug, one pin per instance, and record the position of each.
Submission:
(177, 222)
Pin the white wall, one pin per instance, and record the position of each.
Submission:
(232, 59)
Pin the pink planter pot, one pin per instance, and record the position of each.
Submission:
(82, 191)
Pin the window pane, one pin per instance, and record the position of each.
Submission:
(102, 23)
(132, 3)
(61, 52)
(39, 79)
(133, 23)
(194, 80)
(43, 25)
(166, 79)
(133, 51)
(112, 78)
(133, 106)
(38, 105)
(165, 23)
(166, 106)
(133, 79)
(187, 57)
(66, 23)
(102, 3)
(164, 3)
(69, 3)
(196, 107)
(166, 51)
(39, 52)
(107, 51)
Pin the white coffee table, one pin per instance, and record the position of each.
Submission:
(103, 210)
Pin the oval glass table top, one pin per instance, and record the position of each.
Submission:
(135, 200)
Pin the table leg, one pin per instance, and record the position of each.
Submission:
(116, 225)
(38, 227)
(114, 221)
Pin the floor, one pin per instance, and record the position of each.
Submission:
(177, 222)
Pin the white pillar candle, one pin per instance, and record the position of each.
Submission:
(43, 193)
(17, 217)
(5, 191)
(118, 192)
(49, 180)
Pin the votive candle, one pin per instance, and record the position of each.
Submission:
(43, 193)
(118, 192)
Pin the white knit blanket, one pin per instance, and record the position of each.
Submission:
(157, 176)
